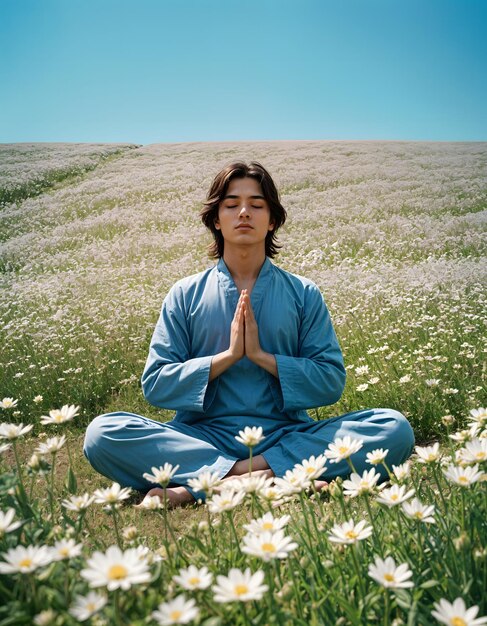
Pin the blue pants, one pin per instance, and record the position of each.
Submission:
(122, 446)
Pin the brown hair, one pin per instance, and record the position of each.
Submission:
(218, 190)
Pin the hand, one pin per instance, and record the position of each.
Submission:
(237, 332)
(252, 344)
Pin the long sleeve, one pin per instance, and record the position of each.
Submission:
(172, 378)
(316, 376)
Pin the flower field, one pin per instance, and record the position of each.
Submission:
(92, 237)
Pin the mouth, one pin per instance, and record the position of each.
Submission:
(244, 227)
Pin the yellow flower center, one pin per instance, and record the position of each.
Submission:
(342, 449)
(241, 590)
(117, 572)
(64, 551)
(25, 562)
(458, 621)
(194, 580)
(91, 606)
(418, 514)
(175, 615)
(351, 534)
(267, 525)
(268, 547)
(431, 457)
(394, 497)
(310, 470)
(389, 578)
(480, 456)
(463, 480)
(58, 417)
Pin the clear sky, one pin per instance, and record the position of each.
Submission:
(150, 71)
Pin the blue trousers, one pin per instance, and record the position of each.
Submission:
(122, 446)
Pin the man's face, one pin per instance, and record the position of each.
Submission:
(244, 216)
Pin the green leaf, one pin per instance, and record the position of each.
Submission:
(71, 482)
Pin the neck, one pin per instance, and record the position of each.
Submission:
(244, 264)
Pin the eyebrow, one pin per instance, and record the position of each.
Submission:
(252, 197)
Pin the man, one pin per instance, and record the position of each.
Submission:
(241, 344)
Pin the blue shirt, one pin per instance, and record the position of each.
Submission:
(194, 325)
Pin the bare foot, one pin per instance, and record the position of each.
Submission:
(176, 496)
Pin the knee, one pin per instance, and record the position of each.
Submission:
(95, 437)
(402, 432)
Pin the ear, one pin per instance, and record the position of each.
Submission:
(271, 225)
(216, 223)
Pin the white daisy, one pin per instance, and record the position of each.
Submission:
(65, 549)
(206, 482)
(342, 448)
(52, 445)
(38, 399)
(86, 606)
(161, 475)
(349, 532)
(403, 471)
(479, 416)
(45, 618)
(193, 578)
(6, 524)
(475, 451)
(463, 476)
(268, 545)
(25, 559)
(239, 586)
(292, 482)
(177, 611)
(388, 574)
(394, 495)
(313, 467)
(78, 503)
(376, 456)
(4, 447)
(428, 454)
(151, 503)
(267, 523)
(60, 416)
(227, 500)
(14, 431)
(457, 614)
(250, 436)
(116, 569)
(357, 485)
(418, 511)
(8, 403)
(113, 494)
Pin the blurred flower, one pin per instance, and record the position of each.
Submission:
(418, 511)
(394, 495)
(239, 586)
(78, 503)
(313, 467)
(14, 431)
(130, 533)
(475, 451)
(250, 436)
(432, 382)
(151, 503)
(227, 500)
(45, 618)
(116, 569)
(65, 549)
(361, 370)
(349, 532)
(193, 578)
(206, 482)
(6, 525)
(357, 485)
(8, 403)
(52, 445)
(342, 448)
(4, 447)
(428, 454)
(111, 495)
(177, 611)
(376, 456)
(457, 614)
(38, 399)
(362, 387)
(86, 606)
(292, 482)
(60, 416)
(388, 574)
(267, 523)
(463, 476)
(25, 559)
(401, 472)
(479, 416)
(405, 379)
(268, 545)
(161, 475)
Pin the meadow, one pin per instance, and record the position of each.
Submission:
(93, 236)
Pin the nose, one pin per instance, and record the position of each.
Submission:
(244, 211)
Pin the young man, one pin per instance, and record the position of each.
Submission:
(244, 343)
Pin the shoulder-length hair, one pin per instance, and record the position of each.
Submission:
(217, 192)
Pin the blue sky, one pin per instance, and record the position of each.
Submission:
(150, 71)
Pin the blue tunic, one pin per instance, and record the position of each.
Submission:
(194, 325)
